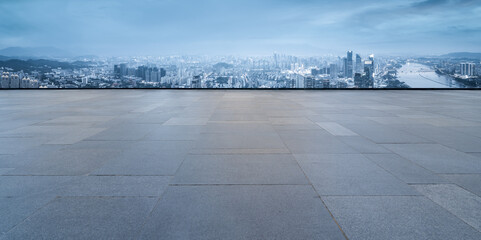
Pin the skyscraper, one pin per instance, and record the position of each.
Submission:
(358, 63)
(348, 65)
(467, 69)
(333, 71)
(196, 82)
(368, 77)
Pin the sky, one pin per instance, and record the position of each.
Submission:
(242, 27)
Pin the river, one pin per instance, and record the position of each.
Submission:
(421, 76)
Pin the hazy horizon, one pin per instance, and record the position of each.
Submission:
(212, 27)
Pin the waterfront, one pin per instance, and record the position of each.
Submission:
(421, 76)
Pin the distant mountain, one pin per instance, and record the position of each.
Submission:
(40, 65)
(469, 55)
(36, 52)
(4, 58)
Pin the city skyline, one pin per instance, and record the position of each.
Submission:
(115, 28)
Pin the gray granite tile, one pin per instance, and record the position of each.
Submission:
(124, 132)
(72, 138)
(289, 120)
(463, 204)
(336, 129)
(88, 217)
(363, 145)
(5, 170)
(460, 141)
(180, 133)
(23, 186)
(16, 209)
(384, 134)
(238, 117)
(18, 145)
(121, 186)
(313, 141)
(249, 141)
(240, 169)
(350, 174)
(407, 171)
(396, 217)
(232, 127)
(146, 158)
(67, 162)
(177, 121)
(240, 212)
(470, 182)
(437, 158)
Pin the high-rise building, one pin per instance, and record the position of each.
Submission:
(5, 80)
(196, 82)
(123, 69)
(117, 71)
(348, 65)
(358, 80)
(358, 63)
(467, 69)
(368, 77)
(333, 71)
(14, 81)
(309, 82)
(25, 82)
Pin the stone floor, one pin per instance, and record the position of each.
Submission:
(161, 164)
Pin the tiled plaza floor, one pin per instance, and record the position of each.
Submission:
(201, 164)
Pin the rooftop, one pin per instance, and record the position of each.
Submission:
(220, 164)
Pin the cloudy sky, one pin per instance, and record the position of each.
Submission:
(242, 27)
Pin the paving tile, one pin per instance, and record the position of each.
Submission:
(126, 132)
(211, 151)
(313, 142)
(460, 141)
(407, 171)
(179, 133)
(248, 141)
(88, 217)
(289, 120)
(15, 209)
(18, 145)
(384, 134)
(176, 121)
(146, 158)
(238, 117)
(396, 217)
(240, 169)
(231, 127)
(240, 212)
(5, 170)
(73, 120)
(463, 204)
(470, 182)
(77, 136)
(133, 186)
(336, 129)
(363, 145)
(437, 158)
(66, 162)
(350, 174)
(23, 186)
